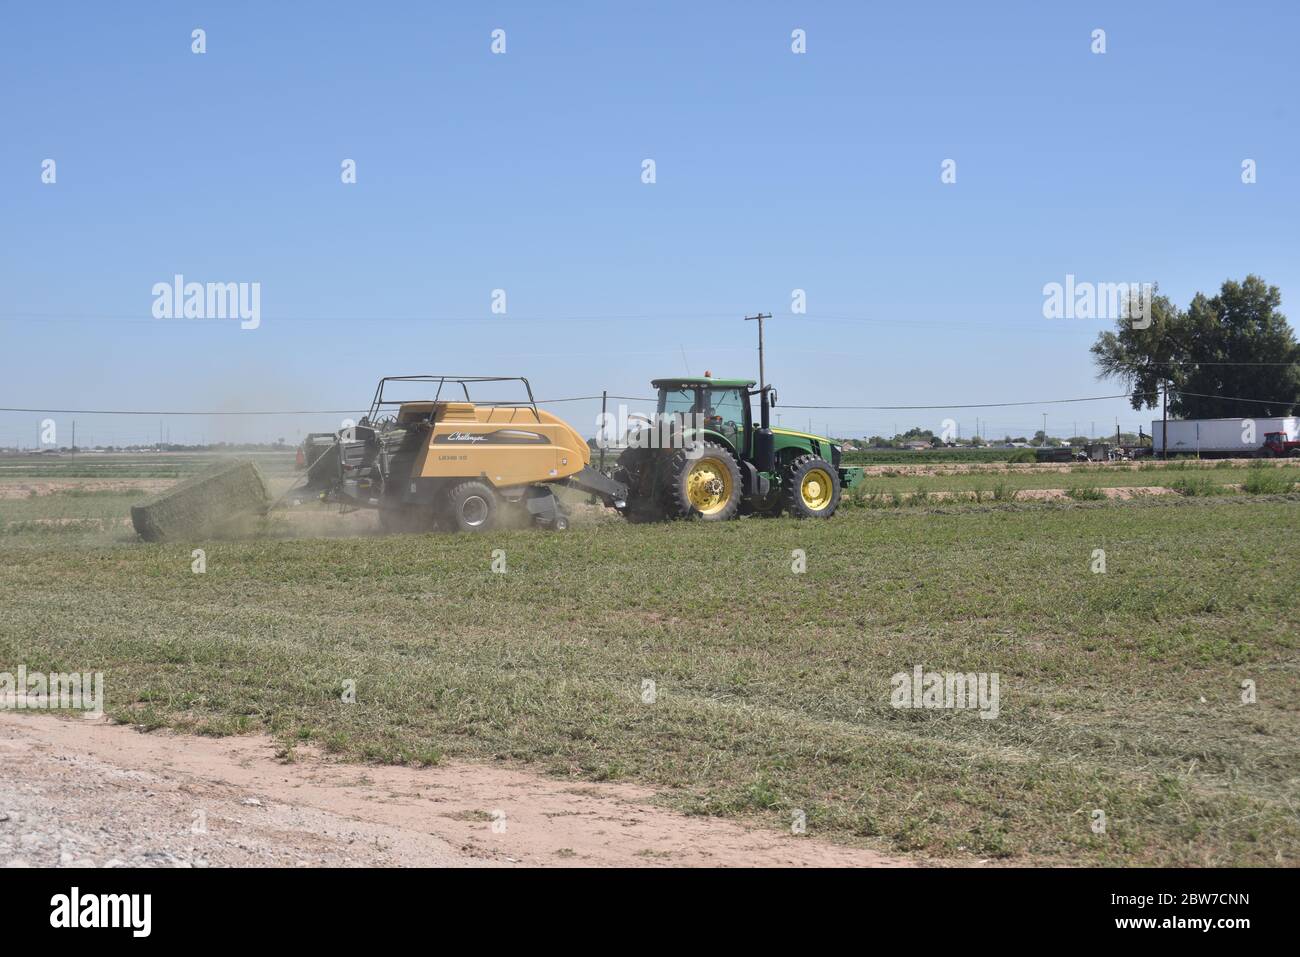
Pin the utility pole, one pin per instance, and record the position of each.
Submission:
(74, 438)
(1164, 424)
(1044, 429)
(604, 422)
(762, 382)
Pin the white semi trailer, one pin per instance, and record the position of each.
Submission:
(1219, 438)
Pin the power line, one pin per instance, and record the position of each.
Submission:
(129, 318)
(1197, 362)
(576, 398)
(499, 317)
(638, 398)
(136, 319)
(1233, 398)
(975, 405)
(185, 412)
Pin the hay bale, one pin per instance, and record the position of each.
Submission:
(203, 504)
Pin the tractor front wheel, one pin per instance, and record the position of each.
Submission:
(707, 486)
(811, 488)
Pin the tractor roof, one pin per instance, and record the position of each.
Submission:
(702, 380)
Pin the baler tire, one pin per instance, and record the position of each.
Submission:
(480, 517)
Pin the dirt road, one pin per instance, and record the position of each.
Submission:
(76, 792)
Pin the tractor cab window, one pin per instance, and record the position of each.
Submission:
(680, 402)
(724, 413)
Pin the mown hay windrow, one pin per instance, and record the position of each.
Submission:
(203, 504)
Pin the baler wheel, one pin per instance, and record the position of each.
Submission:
(472, 506)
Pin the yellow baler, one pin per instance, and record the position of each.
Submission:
(455, 463)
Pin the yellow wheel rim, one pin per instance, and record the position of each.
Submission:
(708, 486)
(816, 489)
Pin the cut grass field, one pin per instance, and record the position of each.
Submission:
(132, 465)
(1119, 692)
(1167, 475)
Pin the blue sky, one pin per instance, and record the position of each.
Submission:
(522, 171)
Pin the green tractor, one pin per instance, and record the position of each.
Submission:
(716, 463)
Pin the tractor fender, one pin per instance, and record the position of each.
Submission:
(700, 436)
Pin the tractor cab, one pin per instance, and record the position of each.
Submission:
(721, 404)
(1278, 444)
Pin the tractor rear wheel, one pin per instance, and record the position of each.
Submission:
(472, 506)
(636, 470)
(811, 488)
(707, 486)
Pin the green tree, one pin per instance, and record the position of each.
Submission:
(1242, 347)
(1233, 355)
(917, 434)
(1140, 358)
